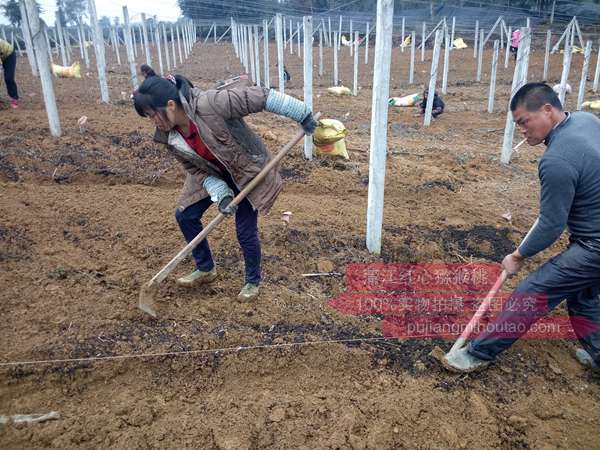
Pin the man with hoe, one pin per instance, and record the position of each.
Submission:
(569, 173)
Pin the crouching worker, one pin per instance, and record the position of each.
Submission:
(206, 132)
(569, 172)
(438, 104)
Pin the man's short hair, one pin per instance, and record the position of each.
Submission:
(533, 96)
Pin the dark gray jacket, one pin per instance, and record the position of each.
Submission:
(569, 174)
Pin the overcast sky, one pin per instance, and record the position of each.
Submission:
(164, 9)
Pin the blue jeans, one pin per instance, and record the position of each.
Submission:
(574, 276)
(9, 65)
(246, 225)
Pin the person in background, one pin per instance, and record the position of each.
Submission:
(515, 38)
(8, 57)
(147, 71)
(438, 104)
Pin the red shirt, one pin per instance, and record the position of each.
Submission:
(193, 139)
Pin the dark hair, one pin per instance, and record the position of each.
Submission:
(147, 71)
(155, 92)
(533, 96)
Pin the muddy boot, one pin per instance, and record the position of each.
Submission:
(462, 362)
(248, 292)
(197, 277)
(585, 359)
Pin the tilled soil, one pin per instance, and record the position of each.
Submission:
(86, 218)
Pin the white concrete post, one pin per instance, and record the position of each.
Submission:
(492, 92)
(339, 39)
(256, 55)
(299, 43)
(129, 47)
(411, 73)
(597, 74)
(480, 55)
(446, 61)
(355, 78)
(31, 56)
(567, 56)
(179, 44)
(251, 53)
(61, 39)
(519, 77)
(284, 32)
(99, 50)
(156, 33)
(547, 54)
(233, 37)
(308, 77)
(402, 34)
(67, 45)
(291, 43)
(424, 30)
(86, 57)
(116, 44)
(166, 44)
(507, 51)
(134, 40)
(173, 53)
(321, 32)
(56, 40)
(453, 28)
(184, 41)
(43, 63)
(476, 42)
(266, 53)
(330, 33)
(47, 42)
(145, 39)
(367, 32)
(248, 50)
(279, 25)
(335, 58)
(433, 78)
(379, 124)
(584, 71)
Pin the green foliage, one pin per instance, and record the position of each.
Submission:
(104, 22)
(10, 10)
(71, 10)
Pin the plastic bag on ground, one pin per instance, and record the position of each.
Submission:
(72, 71)
(339, 90)
(336, 149)
(459, 44)
(407, 100)
(329, 131)
(594, 105)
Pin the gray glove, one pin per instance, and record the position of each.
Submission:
(220, 193)
(225, 208)
(309, 124)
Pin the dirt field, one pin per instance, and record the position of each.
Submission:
(85, 219)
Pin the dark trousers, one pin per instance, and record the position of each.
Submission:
(574, 276)
(246, 225)
(9, 65)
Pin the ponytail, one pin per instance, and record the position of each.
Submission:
(155, 92)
